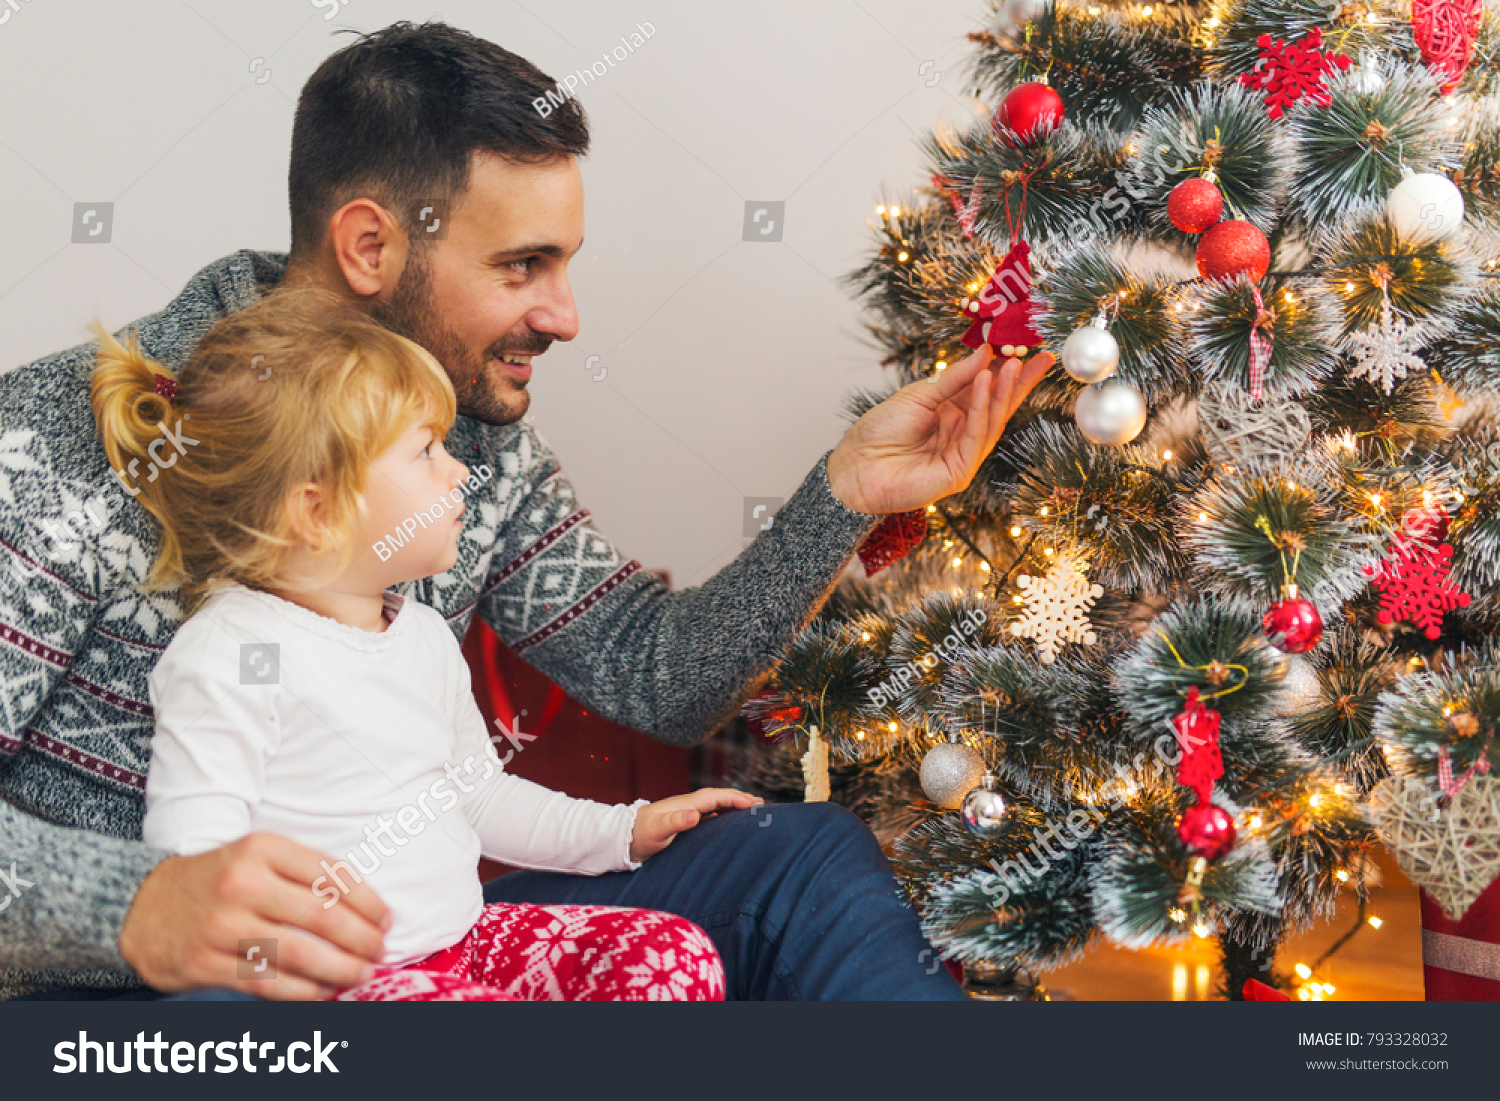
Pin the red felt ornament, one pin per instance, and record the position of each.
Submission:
(1293, 625)
(770, 715)
(1256, 991)
(892, 539)
(1287, 72)
(1415, 586)
(1428, 523)
(1002, 311)
(1201, 763)
(1028, 113)
(1445, 31)
(1206, 830)
(1194, 205)
(1233, 248)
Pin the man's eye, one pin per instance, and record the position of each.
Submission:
(525, 265)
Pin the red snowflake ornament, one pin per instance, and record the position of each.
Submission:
(892, 539)
(1002, 311)
(1415, 587)
(1198, 736)
(1287, 72)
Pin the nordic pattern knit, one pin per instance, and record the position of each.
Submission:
(78, 637)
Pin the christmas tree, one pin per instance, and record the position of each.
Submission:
(1215, 617)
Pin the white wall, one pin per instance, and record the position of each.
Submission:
(726, 360)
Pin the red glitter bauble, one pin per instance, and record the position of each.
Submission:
(1031, 112)
(1231, 248)
(1293, 626)
(1194, 205)
(1206, 830)
(1428, 523)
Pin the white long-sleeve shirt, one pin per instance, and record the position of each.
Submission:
(367, 747)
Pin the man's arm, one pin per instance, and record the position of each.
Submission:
(676, 665)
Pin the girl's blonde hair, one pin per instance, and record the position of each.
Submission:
(299, 387)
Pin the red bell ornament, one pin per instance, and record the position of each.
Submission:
(1206, 830)
(1232, 248)
(1292, 625)
(1195, 205)
(1030, 111)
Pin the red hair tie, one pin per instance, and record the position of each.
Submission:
(166, 386)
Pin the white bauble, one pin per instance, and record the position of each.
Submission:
(1090, 355)
(1111, 413)
(1021, 12)
(1425, 206)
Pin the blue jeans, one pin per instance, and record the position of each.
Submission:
(798, 898)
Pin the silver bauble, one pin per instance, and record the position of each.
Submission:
(1111, 413)
(1424, 207)
(1090, 355)
(984, 810)
(949, 772)
(1298, 687)
(1020, 12)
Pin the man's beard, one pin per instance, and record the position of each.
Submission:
(484, 391)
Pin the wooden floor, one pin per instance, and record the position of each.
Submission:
(1382, 964)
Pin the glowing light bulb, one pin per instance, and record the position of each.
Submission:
(1341, 875)
(1375, 922)
(1048, 552)
(1201, 930)
(1015, 531)
(901, 256)
(940, 364)
(1043, 511)
(865, 637)
(957, 562)
(1348, 287)
(880, 209)
(985, 566)
(893, 728)
(1167, 454)
(895, 210)
(1203, 517)
(1304, 972)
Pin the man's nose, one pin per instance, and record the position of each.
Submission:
(557, 315)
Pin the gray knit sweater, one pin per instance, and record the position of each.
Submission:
(78, 636)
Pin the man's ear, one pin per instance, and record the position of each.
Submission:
(307, 515)
(369, 247)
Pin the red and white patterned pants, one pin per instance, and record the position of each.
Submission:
(561, 954)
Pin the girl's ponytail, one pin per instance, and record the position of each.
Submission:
(132, 400)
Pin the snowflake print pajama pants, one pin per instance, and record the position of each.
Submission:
(534, 953)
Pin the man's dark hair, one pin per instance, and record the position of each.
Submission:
(396, 115)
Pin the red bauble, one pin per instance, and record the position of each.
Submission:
(1030, 111)
(892, 539)
(1293, 625)
(1231, 248)
(1194, 205)
(1206, 830)
(1428, 523)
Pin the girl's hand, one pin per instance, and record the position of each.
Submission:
(656, 824)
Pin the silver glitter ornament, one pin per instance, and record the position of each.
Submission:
(1300, 691)
(1111, 413)
(1091, 355)
(949, 772)
(984, 810)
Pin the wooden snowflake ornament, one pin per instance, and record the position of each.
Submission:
(1287, 72)
(1057, 607)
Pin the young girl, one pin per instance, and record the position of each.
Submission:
(302, 697)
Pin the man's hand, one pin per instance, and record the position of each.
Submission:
(184, 928)
(656, 824)
(926, 441)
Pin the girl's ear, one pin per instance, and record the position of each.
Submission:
(307, 515)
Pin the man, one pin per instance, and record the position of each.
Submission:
(427, 190)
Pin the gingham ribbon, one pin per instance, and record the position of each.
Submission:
(970, 213)
(1260, 348)
(1445, 772)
